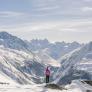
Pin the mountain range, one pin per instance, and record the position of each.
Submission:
(55, 50)
(24, 62)
(19, 63)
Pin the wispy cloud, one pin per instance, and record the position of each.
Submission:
(87, 0)
(87, 9)
(61, 30)
(73, 26)
(10, 14)
(47, 8)
(65, 19)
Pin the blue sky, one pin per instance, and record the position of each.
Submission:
(56, 20)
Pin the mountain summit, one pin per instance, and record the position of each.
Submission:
(13, 42)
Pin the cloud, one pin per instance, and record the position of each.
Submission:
(47, 8)
(87, 0)
(53, 19)
(54, 31)
(10, 14)
(67, 26)
(87, 9)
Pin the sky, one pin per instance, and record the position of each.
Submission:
(56, 20)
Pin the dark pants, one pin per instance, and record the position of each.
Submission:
(47, 79)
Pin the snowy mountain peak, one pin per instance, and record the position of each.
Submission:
(5, 35)
(13, 42)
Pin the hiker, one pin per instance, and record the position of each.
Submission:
(47, 73)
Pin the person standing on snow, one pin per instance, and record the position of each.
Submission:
(47, 73)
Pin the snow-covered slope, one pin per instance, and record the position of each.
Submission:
(10, 63)
(75, 86)
(19, 63)
(13, 42)
(79, 86)
(23, 67)
(19, 66)
(46, 59)
(75, 65)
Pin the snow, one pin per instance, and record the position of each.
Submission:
(17, 65)
(5, 79)
(10, 85)
(74, 60)
(66, 46)
(13, 61)
(46, 59)
(75, 86)
(36, 88)
(9, 61)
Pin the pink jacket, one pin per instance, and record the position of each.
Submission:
(47, 72)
